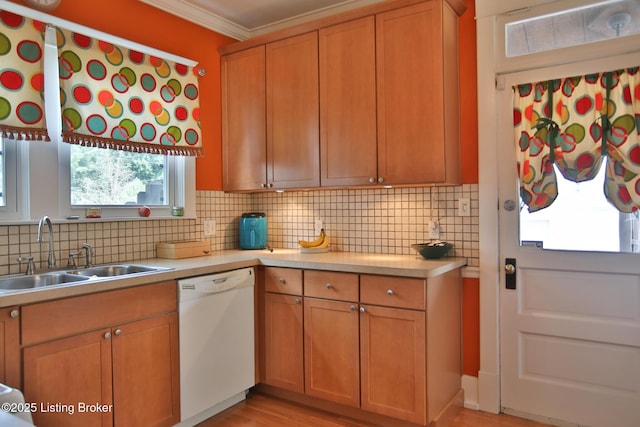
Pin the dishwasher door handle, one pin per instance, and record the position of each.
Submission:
(214, 284)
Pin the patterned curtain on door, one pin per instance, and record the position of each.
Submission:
(22, 77)
(118, 98)
(575, 123)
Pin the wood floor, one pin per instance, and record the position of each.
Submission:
(264, 411)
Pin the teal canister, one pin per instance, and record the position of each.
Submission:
(253, 230)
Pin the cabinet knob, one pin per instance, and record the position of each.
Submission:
(14, 313)
(363, 310)
(269, 185)
(107, 335)
(297, 300)
(381, 179)
(328, 286)
(390, 292)
(117, 332)
(282, 281)
(263, 185)
(372, 180)
(352, 307)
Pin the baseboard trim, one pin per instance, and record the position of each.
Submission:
(489, 392)
(450, 411)
(470, 387)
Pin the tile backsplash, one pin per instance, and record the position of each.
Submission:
(383, 221)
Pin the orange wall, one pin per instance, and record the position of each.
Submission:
(141, 23)
(468, 94)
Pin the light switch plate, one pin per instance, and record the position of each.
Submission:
(434, 230)
(317, 226)
(464, 206)
(209, 227)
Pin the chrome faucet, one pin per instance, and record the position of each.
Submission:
(88, 253)
(52, 256)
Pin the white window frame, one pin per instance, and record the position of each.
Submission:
(42, 174)
(513, 12)
(177, 179)
(15, 163)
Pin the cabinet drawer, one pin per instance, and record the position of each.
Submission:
(283, 280)
(54, 319)
(393, 291)
(331, 285)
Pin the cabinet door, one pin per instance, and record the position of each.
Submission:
(332, 362)
(393, 362)
(61, 375)
(244, 144)
(411, 131)
(293, 153)
(10, 347)
(284, 364)
(146, 372)
(348, 103)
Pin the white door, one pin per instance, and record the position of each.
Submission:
(570, 330)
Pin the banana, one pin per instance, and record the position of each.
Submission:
(324, 244)
(314, 243)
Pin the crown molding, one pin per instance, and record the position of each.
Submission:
(209, 20)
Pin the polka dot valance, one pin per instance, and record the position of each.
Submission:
(21, 77)
(575, 125)
(114, 97)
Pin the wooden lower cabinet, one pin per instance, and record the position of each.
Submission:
(145, 374)
(10, 373)
(384, 349)
(60, 374)
(332, 365)
(393, 362)
(122, 374)
(283, 335)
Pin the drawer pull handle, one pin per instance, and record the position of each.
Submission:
(363, 310)
(390, 292)
(14, 314)
(107, 335)
(328, 286)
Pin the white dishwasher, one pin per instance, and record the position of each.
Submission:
(216, 342)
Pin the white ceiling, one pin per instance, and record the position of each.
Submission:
(243, 19)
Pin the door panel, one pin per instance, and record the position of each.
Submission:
(293, 111)
(570, 330)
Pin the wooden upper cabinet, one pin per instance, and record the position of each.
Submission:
(418, 101)
(348, 103)
(293, 157)
(368, 97)
(244, 146)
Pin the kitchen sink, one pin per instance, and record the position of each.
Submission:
(115, 270)
(38, 280)
(91, 274)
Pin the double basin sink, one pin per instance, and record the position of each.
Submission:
(50, 278)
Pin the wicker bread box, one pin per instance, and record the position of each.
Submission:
(183, 249)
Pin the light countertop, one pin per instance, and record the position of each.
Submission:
(390, 265)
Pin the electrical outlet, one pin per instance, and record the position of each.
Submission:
(210, 227)
(434, 230)
(317, 226)
(464, 206)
